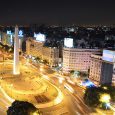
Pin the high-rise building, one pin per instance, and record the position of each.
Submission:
(77, 59)
(106, 72)
(51, 54)
(95, 68)
(102, 68)
(36, 48)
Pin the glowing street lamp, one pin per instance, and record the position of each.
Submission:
(60, 81)
(105, 88)
(105, 98)
(35, 113)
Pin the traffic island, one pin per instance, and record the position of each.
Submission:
(32, 87)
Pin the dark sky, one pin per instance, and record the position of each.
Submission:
(57, 12)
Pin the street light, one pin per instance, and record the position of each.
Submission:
(35, 113)
(105, 98)
(60, 80)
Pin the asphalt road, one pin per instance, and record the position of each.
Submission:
(72, 103)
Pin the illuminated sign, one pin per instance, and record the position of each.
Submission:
(109, 55)
(9, 32)
(68, 42)
(40, 37)
(20, 33)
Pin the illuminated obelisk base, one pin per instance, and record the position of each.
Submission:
(16, 66)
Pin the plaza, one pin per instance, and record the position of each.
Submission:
(28, 86)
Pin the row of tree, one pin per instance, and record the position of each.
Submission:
(79, 73)
(39, 60)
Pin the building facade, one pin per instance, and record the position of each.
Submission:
(102, 68)
(77, 59)
(95, 68)
(51, 55)
(36, 48)
(106, 73)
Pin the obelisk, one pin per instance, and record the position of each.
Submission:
(16, 68)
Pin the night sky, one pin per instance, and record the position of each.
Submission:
(64, 12)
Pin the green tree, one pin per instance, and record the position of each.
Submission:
(110, 90)
(45, 61)
(72, 72)
(21, 108)
(37, 59)
(92, 96)
(83, 74)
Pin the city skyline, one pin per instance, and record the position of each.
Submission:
(57, 57)
(57, 12)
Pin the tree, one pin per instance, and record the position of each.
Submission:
(37, 58)
(92, 96)
(21, 108)
(72, 72)
(45, 61)
(83, 74)
(110, 90)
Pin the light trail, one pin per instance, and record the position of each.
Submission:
(67, 86)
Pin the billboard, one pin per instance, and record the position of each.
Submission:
(9, 32)
(109, 55)
(68, 42)
(40, 37)
(20, 33)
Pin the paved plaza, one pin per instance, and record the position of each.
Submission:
(28, 86)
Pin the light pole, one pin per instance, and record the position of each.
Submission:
(105, 99)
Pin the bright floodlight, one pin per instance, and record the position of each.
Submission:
(68, 42)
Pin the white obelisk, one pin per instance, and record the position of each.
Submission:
(16, 68)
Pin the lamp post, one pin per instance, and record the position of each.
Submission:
(105, 99)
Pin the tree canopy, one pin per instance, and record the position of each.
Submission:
(93, 94)
(21, 108)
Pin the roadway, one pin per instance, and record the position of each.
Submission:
(71, 105)
(4, 104)
(73, 102)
